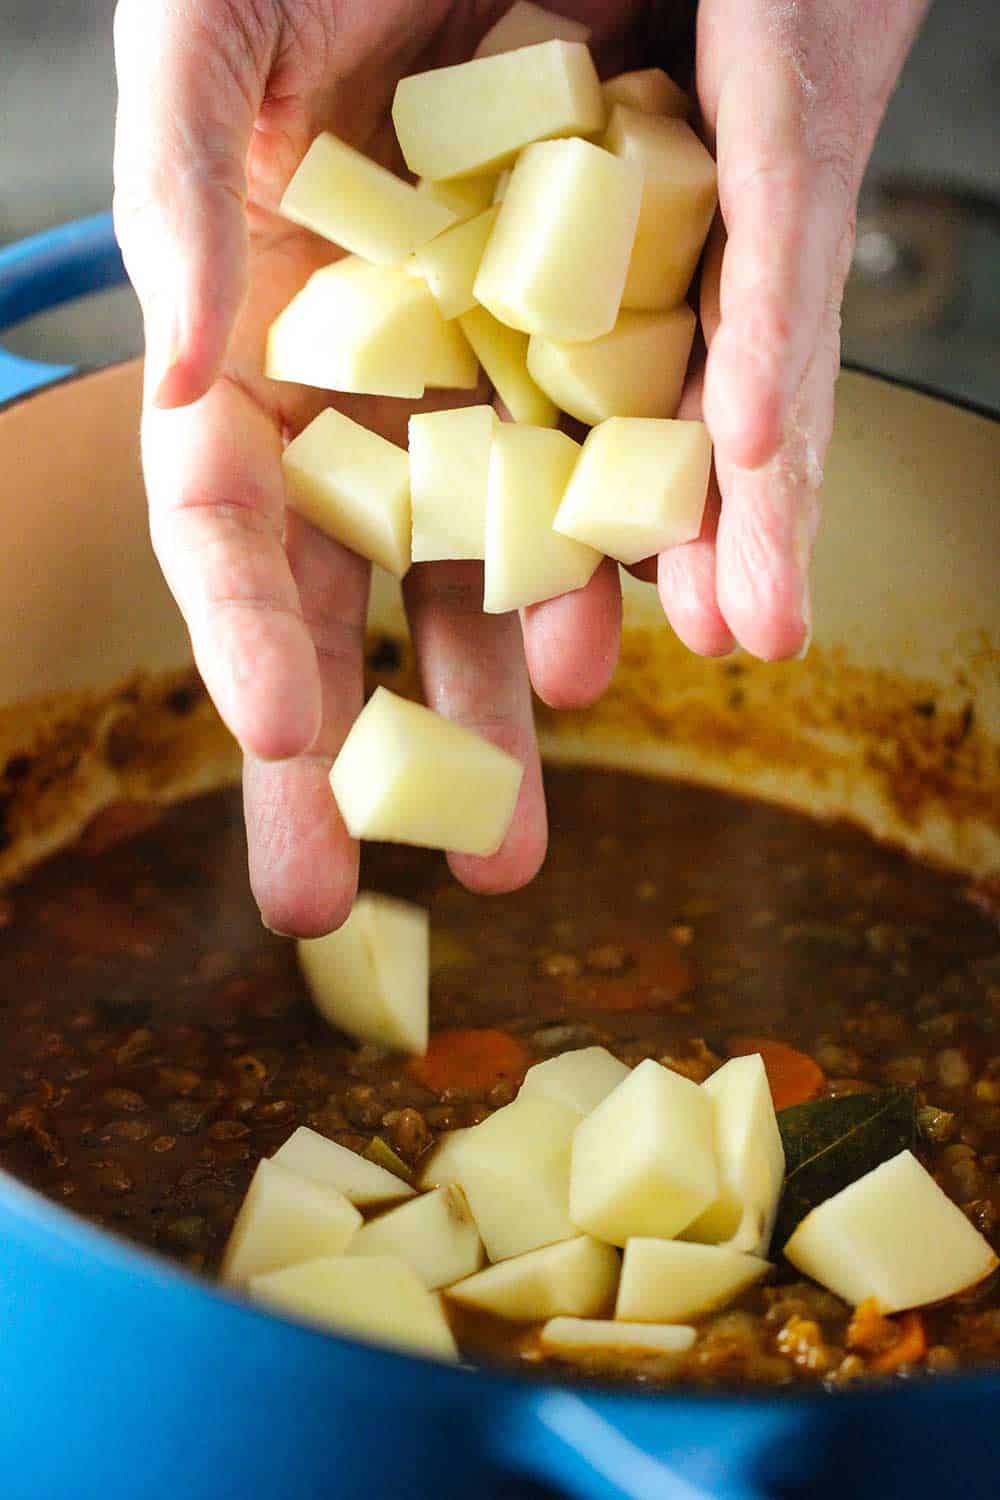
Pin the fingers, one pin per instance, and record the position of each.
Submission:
(216, 513)
(571, 643)
(189, 83)
(472, 670)
(686, 581)
(303, 862)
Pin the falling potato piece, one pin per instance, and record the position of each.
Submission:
(526, 561)
(636, 370)
(503, 354)
(678, 201)
(526, 25)
(465, 196)
(449, 471)
(893, 1236)
(650, 90)
(751, 1159)
(476, 116)
(451, 263)
(370, 978)
(666, 1281)
(580, 1079)
(644, 1159)
(354, 202)
(578, 1336)
(640, 486)
(442, 1163)
(559, 253)
(435, 1234)
(575, 1277)
(362, 1182)
(407, 775)
(353, 485)
(285, 1218)
(514, 1167)
(378, 1298)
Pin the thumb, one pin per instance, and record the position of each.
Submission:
(189, 86)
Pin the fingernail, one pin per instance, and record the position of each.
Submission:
(275, 931)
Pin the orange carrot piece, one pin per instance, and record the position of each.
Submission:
(909, 1348)
(793, 1076)
(474, 1058)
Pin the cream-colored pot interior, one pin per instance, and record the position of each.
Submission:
(893, 719)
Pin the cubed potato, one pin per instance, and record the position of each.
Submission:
(371, 330)
(283, 1219)
(514, 1167)
(588, 1336)
(575, 1277)
(644, 1159)
(435, 1234)
(453, 365)
(451, 263)
(666, 1281)
(526, 25)
(441, 1165)
(893, 1236)
(465, 196)
(449, 471)
(408, 775)
(378, 1298)
(370, 978)
(750, 1156)
(526, 560)
(556, 261)
(640, 486)
(476, 116)
(650, 90)
(354, 202)
(502, 184)
(362, 1182)
(353, 485)
(636, 370)
(678, 201)
(580, 1079)
(503, 354)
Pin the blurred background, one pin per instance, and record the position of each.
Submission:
(922, 302)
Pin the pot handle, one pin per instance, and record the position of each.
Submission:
(43, 271)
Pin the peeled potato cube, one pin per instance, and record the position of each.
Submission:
(502, 184)
(526, 560)
(678, 201)
(650, 90)
(526, 25)
(378, 1298)
(644, 1159)
(503, 354)
(408, 775)
(476, 116)
(370, 978)
(354, 202)
(636, 370)
(893, 1236)
(435, 1234)
(353, 485)
(580, 1336)
(442, 1165)
(465, 196)
(449, 471)
(640, 486)
(371, 330)
(321, 1160)
(580, 1079)
(575, 1277)
(666, 1281)
(514, 1167)
(450, 263)
(283, 1219)
(558, 256)
(452, 364)
(751, 1159)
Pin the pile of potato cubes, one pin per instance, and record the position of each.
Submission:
(549, 240)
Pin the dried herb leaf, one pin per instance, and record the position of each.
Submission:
(830, 1143)
(382, 1154)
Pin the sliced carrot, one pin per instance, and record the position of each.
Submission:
(475, 1058)
(909, 1348)
(793, 1075)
